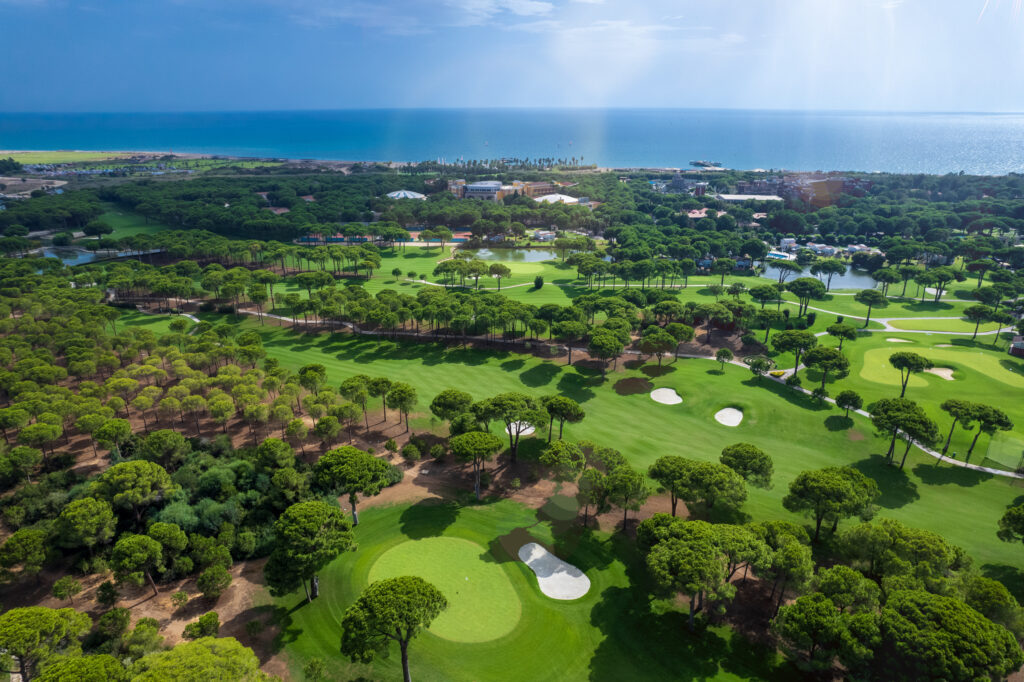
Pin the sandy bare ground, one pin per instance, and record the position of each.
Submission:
(15, 186)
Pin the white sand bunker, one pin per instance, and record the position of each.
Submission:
(944, 345)
(729, 416)
(523, 429)
(944, 372)
(899, 341)
(666, 396)
(555, 578)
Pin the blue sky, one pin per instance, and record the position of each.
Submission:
(202, 55)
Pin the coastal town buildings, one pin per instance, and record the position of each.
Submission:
(494, 190)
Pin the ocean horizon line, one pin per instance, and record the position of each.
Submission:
(764, 110)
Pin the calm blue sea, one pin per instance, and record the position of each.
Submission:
(904, 143)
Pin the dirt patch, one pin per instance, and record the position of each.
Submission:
(19, 188)
(855, 435)
(633, 386)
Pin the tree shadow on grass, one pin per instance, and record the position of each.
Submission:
(428, 518)
(1010, 576)
(264, 615)
(281, 618)
(1012, 365)
(512, 365)
(633, 364)
(838, 422)
(648, 638)
(788, 394)
(505, 547)
(937, 474)
(540, 374)
(896, 487)
(578, 387)
(530, 448)
(655, 371)
(633, 386)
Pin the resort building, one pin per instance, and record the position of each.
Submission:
(557, 199)
(1017, 346)
(493, 190)
(406, 194)
(740, 198)
(489, 190)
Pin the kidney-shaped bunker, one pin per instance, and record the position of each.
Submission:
(555, 578)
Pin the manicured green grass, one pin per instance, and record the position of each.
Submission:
(799, 434)
(61, 156)
(980, 374)
(456, 567)
(616, 632)
(158, 324)
(127, 224)
(949, 325)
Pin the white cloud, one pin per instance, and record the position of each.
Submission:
(477, 12)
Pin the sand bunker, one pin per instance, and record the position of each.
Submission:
(555, 578)
(666, 396)
(944, 345)
(944, 372)
(899, 341)
(730, 416)
(524, 429)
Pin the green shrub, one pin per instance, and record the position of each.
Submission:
(538, 281)
(437, 451)
(214, 581)
(106, 594)
(207, 626)
(179, 599)
(411, 453)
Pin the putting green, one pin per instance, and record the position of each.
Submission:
(876, 366)
(482, 604)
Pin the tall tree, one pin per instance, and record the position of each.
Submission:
(908, 364)
(391, 610)
(134, 485)
(750, 462)
(308, 536)
(564, 409)
(353, 472)
(627, 489)
(135, 558)
(669, 472)
(476, 447)
(990, 420)
(519, 413)
(33, 634)
(794, 341)
(872, 298)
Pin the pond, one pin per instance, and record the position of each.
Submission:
(853, 279)
(516, 255)
(69, 255)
